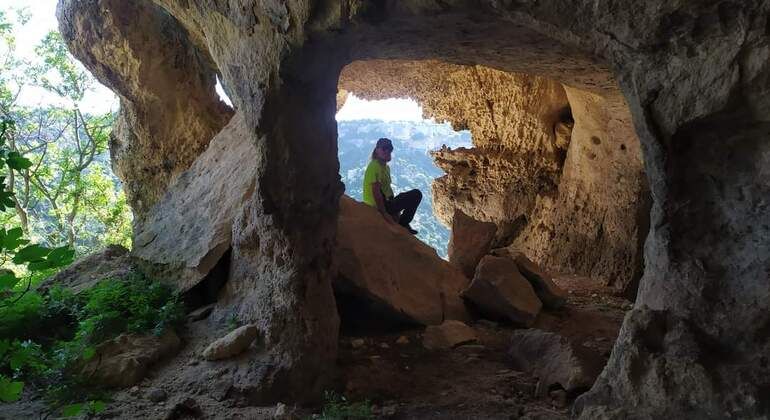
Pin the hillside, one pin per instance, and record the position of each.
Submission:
(411, 167)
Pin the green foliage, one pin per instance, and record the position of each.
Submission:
(337, 407)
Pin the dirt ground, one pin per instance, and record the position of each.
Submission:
(400, 381)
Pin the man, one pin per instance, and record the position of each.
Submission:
(378, 193)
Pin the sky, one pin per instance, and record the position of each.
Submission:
(101, 99)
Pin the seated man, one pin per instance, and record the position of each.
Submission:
(378, 194)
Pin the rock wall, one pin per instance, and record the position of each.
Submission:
(557, 169)
(695, 76)
(169, 110)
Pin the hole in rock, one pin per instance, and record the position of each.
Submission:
(207, 290)
(527, 173)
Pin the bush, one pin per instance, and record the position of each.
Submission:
(112, 307)
(337, 407)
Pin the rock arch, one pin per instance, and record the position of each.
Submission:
(694, 76)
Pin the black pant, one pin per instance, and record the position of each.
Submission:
(407, 203)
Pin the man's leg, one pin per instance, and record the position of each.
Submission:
(408, 202)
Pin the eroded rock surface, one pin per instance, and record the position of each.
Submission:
(232, 344)
(555, 361)
(113, 262)
(126, 359)
(169, 110)
(385, 266)
(469, 242)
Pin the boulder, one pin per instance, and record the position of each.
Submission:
(499, 291)
(448, 335)
(232, 344)
(552, 296)
(125, 360)
(112, 262)
(555, 361)
(470, 241)
(389, 269)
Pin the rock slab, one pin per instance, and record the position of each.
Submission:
(448, 335)
(555, 361)
(501, 292)
(384, 265)
(232, 344)
(552, 296)
(469, 242)
(125, 360)
(112, 262)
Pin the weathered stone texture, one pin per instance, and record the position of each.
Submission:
(169, 110)
(387, 267)
(695, 76)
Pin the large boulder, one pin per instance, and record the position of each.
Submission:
(125, 360)
(555, 361)
(500, 291)
(382, 264)
(470, 241)
(112, 262)
(552, 296)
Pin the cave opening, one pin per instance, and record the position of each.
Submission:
(555, 177)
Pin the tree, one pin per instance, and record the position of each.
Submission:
(68, 194)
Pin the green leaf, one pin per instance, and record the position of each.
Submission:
(96, 407)
(8, 280)
(72, 410)
(32, 253)
(60, 257)
(89, 353)
(9, 390)
(6, 200)
(12, 239)
(16, 161)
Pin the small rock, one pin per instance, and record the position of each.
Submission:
(389, 411)
(402, 340)
(157, 395)
(357, 343)
(283, 412)
(193, 362)
(232, 344)
(375, 357)
(384, 346)
(185, 409)
(503, 371)
(134, 389)
(594, 295)
(601, 339)
(448, 335)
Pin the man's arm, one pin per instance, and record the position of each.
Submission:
(380, 201)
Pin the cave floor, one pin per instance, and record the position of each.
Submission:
(477, 381)
(400, 381)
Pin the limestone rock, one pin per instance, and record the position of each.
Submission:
(469, 242)
(555, 361)
(232, 344)
(448, 335)
(113, 262)
(126, 359)
(169, 110)
(501, 292)
(552, 296)
(190, 229)
(395, 271)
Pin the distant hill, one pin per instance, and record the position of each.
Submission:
(411, 167)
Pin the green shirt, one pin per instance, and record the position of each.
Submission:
(376, 172)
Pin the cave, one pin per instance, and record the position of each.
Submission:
(667, 147)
